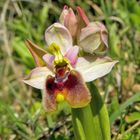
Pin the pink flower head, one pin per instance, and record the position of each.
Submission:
(60, 72)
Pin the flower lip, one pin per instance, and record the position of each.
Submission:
(73, 90)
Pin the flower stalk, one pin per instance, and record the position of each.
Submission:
(92, 121)
(83, 123)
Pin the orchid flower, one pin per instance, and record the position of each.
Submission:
(84, 31)
(61, 73)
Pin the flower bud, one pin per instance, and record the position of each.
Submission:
(69, 20)
(93, 38)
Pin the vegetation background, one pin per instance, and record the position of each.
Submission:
(21, 114)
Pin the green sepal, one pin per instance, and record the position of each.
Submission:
(36, 52)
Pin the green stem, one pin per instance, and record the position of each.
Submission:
(99, 109)
(82, 120)
(92, 121)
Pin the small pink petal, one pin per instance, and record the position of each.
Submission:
(104, 38)
(104, 33)
(48, 58)
(71, 54)
(82, 15)
(70, 22)
(65, 7)
(63, 14)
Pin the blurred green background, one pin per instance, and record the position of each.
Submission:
(21, 114)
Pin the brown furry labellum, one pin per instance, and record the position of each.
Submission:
(71, 86)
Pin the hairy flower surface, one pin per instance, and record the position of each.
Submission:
(61, 72)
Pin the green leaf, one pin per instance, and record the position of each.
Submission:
(100, 114)
(133, 117)
(122, 107)
(20, 48)
(114, 103)
(44, 14)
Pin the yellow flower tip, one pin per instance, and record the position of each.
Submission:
(59, 60)
(60, 97)
(54, 48)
